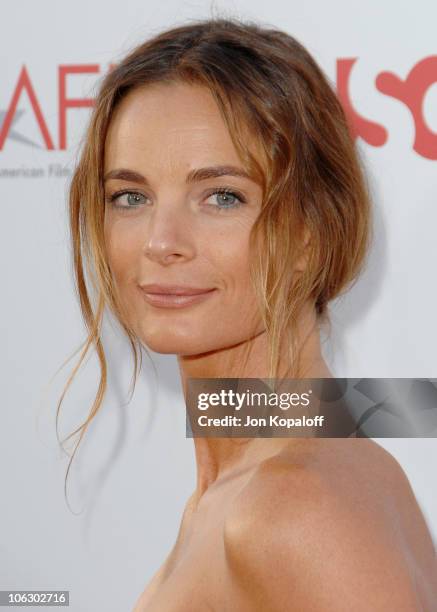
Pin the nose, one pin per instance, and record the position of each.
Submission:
(168, 235)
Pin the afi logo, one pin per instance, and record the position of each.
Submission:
(411, 92)
(64, 103)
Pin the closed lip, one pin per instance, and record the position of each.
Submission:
(174, 289)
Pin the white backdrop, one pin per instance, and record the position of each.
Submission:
(135, 468)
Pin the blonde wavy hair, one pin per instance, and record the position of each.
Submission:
(264, 82)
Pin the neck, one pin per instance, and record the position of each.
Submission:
(217, 457)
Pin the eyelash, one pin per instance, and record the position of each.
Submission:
(220, 190)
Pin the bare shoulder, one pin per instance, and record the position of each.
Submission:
(331, 525)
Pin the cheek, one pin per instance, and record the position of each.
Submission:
(234, 316)
(228, 252)
(228, 257)
(123, 259)
(123, 251)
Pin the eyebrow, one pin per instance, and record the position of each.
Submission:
(198, 174)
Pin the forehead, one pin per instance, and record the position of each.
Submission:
(175, 125)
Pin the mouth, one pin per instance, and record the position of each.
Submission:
(175, 300)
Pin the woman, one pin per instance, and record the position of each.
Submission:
(218, 206)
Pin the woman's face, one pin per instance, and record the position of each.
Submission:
(166, 226)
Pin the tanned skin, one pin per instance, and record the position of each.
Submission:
(274, 525)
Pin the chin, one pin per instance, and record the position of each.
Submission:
(184, 346)
(167, 344)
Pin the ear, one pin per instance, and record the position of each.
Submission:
(303, 258)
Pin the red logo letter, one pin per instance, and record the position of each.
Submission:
(24, 83)
(371, 132)
(65, 103)
(411, 92)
